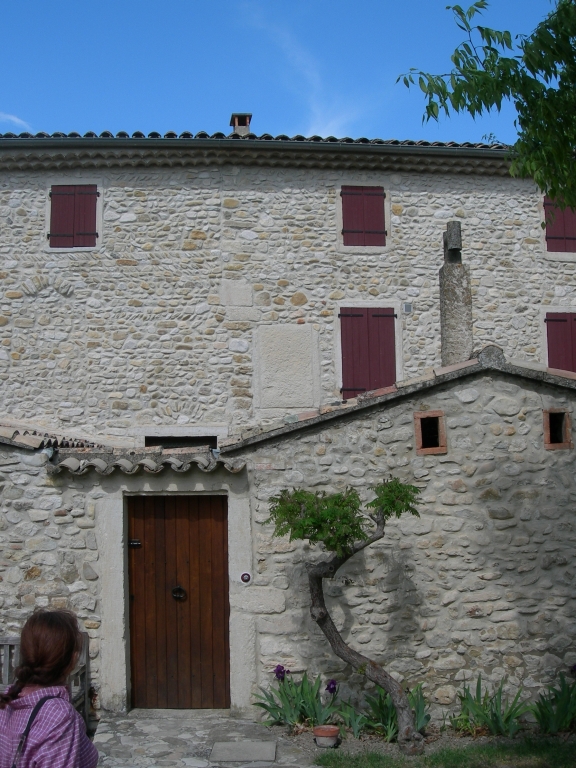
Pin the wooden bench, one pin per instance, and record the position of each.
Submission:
(78, 682)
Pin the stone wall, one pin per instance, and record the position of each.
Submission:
(155, 328)
(483, 582)
(48, 548)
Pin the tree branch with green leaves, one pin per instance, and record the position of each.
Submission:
(535, 72)
(338, 522)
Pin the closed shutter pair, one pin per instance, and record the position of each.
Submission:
(363, 216)
(73, 216)
(368, 354)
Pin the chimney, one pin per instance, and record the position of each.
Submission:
(455, 300)
(240, 122)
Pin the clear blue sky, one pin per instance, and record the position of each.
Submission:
(301, 66)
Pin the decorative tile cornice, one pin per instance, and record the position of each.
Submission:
(70, 152)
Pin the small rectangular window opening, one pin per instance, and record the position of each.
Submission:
(430, 432)
(179, 441)
(557, 429)
(557, 432)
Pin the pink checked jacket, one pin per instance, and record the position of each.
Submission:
(57, 738)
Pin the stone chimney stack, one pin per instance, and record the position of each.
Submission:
(455, 300)
(240, 122)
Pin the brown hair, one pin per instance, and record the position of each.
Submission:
(49, 643)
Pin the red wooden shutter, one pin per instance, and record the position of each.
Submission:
(561, 336)
(560, 228)
(363, 215)
(355, 351)
(382, 348)
(374, 216)
(85, 216)
(368, 350)
(62, 216)
(353, 215)
(570, 230)
(73, 216)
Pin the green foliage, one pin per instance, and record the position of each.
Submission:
(419, 707)
(382, 718)
(517, 754)
(556, 710)
(351, 718)
(394, 498)
(537, 73)
(297, 702)
(336, 519)
(491, 712)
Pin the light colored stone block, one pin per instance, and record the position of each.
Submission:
(287, 369)
(236, 751)
(236, 293)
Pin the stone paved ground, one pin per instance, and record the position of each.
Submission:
(184, 740)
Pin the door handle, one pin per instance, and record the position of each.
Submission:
(179, 593)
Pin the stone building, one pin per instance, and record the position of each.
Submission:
(189, 324)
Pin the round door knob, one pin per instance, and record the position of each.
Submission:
(179, 593)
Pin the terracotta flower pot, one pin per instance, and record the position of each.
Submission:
(326, 736)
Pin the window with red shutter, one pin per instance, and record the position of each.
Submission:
(560, 228)
(368, 351)
(561, 335)
(73, 216)
(363, 216)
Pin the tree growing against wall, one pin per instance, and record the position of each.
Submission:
(338, 522)
(536, 72)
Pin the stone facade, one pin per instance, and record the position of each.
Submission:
(162, 325)
(210, 307)
(482, 582)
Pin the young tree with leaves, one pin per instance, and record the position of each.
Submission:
(536, 72)
(337, 522)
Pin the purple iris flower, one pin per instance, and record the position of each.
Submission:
(573, 670)
(332, 687)
(280, 672)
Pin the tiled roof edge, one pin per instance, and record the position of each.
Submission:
(69, 151)
(58, 138)
(104, 463)
(32, 439)
(490, 358)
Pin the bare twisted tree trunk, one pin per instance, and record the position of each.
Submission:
(409, 740)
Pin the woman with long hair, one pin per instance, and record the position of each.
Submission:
(39, 727)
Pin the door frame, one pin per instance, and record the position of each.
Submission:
(111, 517)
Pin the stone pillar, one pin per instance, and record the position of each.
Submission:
(455, 300)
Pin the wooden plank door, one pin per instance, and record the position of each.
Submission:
(179, 607)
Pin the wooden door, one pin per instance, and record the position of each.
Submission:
(178, 573)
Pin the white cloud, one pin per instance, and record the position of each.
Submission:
(5, 118)
(328, 113)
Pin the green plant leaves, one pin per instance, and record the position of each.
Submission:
(336, 519)
(297, 702)
(537, 73)
(555, 710)
(478, 711)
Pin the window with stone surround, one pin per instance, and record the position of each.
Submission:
(560, 228)
(73, 216)
(363, 216)
(430, 432)
(557, 429)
